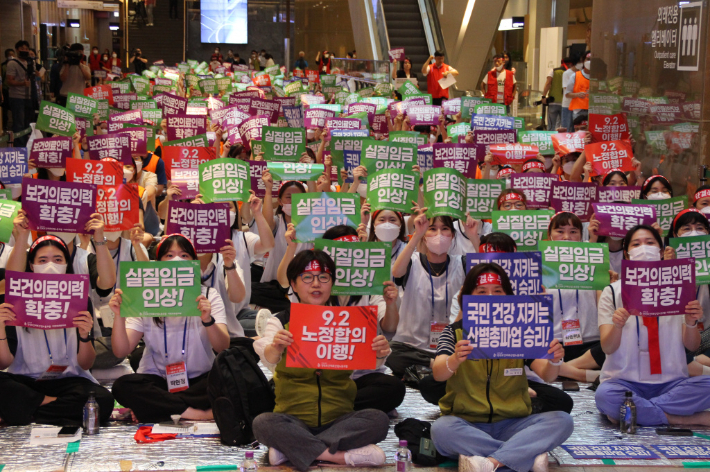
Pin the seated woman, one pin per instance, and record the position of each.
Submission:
(191, 341)
(487, 420)
(667, 396)
(314, 418)
(47, 379)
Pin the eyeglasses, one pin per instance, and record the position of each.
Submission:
(308, 278)
(508, 205)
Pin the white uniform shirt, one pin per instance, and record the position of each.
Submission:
(214, 277)
(244, 243)
(576, 305)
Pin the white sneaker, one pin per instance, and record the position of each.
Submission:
(276, 457)
(262, 317)
(475, 464)
(365, 456)
(541, 463)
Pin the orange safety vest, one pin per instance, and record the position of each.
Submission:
(508, 88)
(152, 164)
(581, 84)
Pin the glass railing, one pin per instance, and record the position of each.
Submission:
(361, 70)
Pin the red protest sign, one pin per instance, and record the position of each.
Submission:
(182, 157)
(298, 73)
(610, 155)
(313, 76)
(608, 127)
(100, 92)
(263, 80)
(118, 206)
(513, 153)
(567, 143)
(338, 338)
(107, 171)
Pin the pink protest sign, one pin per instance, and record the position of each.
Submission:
(343, 123)
(659, 288)
(513, 153)
(138, 140)
(114, 145)
(575, 197)
(171, 104)
(451, 107)
(616, 219)
(228, 116)
(566, 143)
(618, 194)
(462, 157)
(187, 180)
(536, 187)
(51, 153)
(424, 115)
(251, 128)
(206, 225)
(396, 54)
(58, 206)
(257, 184)
(259, 106)
(185, 126)
(46, 301)
(379, 124)
(316, 117)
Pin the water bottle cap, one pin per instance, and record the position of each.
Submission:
(402, 443)
(249, 455)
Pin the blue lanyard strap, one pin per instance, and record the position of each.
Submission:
(51, 358)
(446, 284)
(562, 309)
(165, 338)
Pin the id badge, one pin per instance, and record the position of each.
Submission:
(571, 333)
(107, 315)
(53, 372)
(434, 333)
(514, 372)
(176, 374)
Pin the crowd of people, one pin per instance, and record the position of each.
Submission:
(495, 412)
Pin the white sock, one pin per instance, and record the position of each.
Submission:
(592, 375)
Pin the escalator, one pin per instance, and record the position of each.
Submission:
(405, 29)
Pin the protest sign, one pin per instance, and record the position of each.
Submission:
(8, 211)
(187, 180)
(100, 92)
(610, 155)
(574, 265)
(360, 268)
(252, 128)
(46, 301)
(444, 193)
(157, 288)
(58, 206)
(424, 115)
(408, 88)
(666, 210)
(409, 137)
(362, 133)
(179, 157)
(425, 159)
(683, 451)
(525, 227)
(512, 153)
(201, 140)
(184, 126)
(138, 140)
(458, 131)
(256, 169)
(697, 247)
(463, 157)
(295, 171)
(482, 197)
(123, 101)
(490, 137)
(541, 139)
(206, 225)
(208, 86)
(294, 116)
(574, 197)
(490, 109)
(316, 117)
(524, 269)
(567, 143)
(396, 54)
(609, 452)
(13, 164)
(81, 104)
(259, 106)
(615, 219)
(104, 172)
(536, 186)
(51, 153)
(392, 189)
(508, 327)
(283, 144)
(451, 107)
(659, 288)
(333, 338)
(118, 206)
(153, 115)
(618, 194)
(468, 104)
(609, 127)
(84, 126)
(317, 212)
(343, 123)
(113, 145)
(378, 155)
(491, 122)
(224, 179)
(55, 119)
(351, 160)
(171, 104)
(116, 120)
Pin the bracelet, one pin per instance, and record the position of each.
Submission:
(3, 339)
(556, 364)
(447, 365)
(693, 325)
(86, 339)
(234, 266)
(209, 323)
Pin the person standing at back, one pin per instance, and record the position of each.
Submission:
(499, 85)
(577, 89)
(74, 74)
(435, 72)
(18, 75)
(139, 63)
(566, 113)
(552, 94)
(94, 63)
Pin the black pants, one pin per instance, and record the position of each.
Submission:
(21, 397)
(437, 101)
(594, 347)
(173, 7)
(379, 391)
(403, 355)
(148, 397)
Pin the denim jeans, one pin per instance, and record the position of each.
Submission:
(554, 113)
(19, 107)
(567, 120)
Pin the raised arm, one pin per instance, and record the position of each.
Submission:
(421, 224)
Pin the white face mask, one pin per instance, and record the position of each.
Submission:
(232, 218)
(657, 196)
(176, 259)
(438, 244)
(693, 233)
(645, 253)
(139, 166)
(705, 210)
(57, 171)
(66, 237)
(500, 67)
(580, 65)
(50, 268)
(567, 167)
(128, 175)
(387, 232)
(286, 207)
(362, 190)
(114, 55)
(112, 235)
(587, 65)
(216, 51)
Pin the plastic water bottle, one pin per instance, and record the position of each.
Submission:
(403, 457)
(627, 415)
(248, 464)
(91, 415)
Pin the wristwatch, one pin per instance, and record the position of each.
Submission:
(99, 243)
(87, 339)
(234, 266)
(209, 323)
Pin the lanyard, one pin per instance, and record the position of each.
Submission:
(51, 358)
(165, 338)
(446, 284)
(559, 293)
(211, 276)
(118, 259)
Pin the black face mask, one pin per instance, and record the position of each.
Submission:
(23, 54)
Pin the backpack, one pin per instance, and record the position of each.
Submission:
(239, 392)
(417, 433)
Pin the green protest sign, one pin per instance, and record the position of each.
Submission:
(125, 85)
(208, 86)
(666, 210)
(224, 180)
(360, 268)
(519, 124)
(526, 227)
(274, 70)
(328, 80)
(604, 103)
(103, 109)
(338, 109)
(411, 137)
(630, 87)
(541, 139)
(686, 127)
(55, 119)
(314, 213)
(657, 141)
(147, 104)
(490, 109)
(200, 140)
(408, 88)
(468, 104)
(80, 104)
(377, 155)
(257, 147)
(141, 85)
(425, 96)
(192, 81)
(341, 96)
(283, 144)
(383, 90)
(152, 114)
(615, 84)
(283, 171)
(153, 288)
(444, 193)
(183, 68)
(392, 189)
(699, 248)
(163, 89)
(278, 90)
(482, 197)
(224, 84)
(294, 87)
(6, 194)
(8, 211)
(574, 265)
(366, 92)
(460, 129)
(339, 144)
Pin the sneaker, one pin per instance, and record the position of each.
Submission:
(262, 317)
(365, 456)
(475, 464)
(276, 457)
(541, 463)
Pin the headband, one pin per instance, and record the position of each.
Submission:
(648, 180)
(689, 210)
(612, 171)
(488, 248)
(489, 278)
(349, 238)
(48, 237)
(512, 196)
(533, 165)
(157, 248)
(314, 266)
(701, 194)
(503, 172)
(560, 212)
(284, 182)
